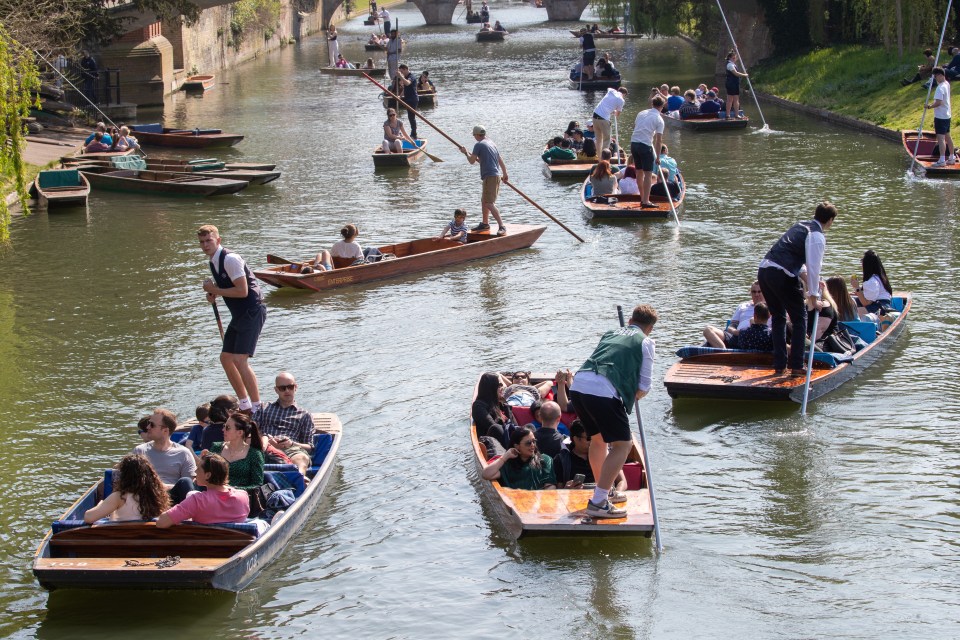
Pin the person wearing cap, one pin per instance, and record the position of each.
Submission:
(394, 49)
(941, 118)
(492, 171)
(710, 104)
(611, 105)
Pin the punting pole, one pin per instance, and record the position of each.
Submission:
(459, 146)
(936, 61)
(216, 313)
(813, 347)
(673, 209)
(744, 65)
(646, 461)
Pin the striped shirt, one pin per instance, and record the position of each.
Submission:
(455, 228)
(292, 422)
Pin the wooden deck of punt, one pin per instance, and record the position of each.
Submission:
(574, 168)
(627, 207)
(412, 257)
(561, 512)
(707, 122)
(928, 142)
(750, 376)
(161, 182)
(336, 71)
(381, 159)
(210, 556)
(198, 83)
(186, 138)
(491, 36)
(62, 196)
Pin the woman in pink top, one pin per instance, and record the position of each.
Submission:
(219, 503)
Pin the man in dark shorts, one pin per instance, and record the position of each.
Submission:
(492, 172)
(234, 282)
(408, 86)
(603, 392)
(589, 54)
(647, 136)
(941, 118)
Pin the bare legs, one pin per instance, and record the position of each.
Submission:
(606, 466)
(490, 208)
(323, 258)
(714, 337)
(241, 375)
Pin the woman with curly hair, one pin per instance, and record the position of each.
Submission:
(138, 493)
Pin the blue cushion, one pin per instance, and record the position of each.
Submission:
(280, 467)
(588, 192)
(65, 525)
(59, 178)
(179, 436)
(897, 303)
(107, 483)
(321, 447)
(866, 330)
(246, 527)
(293, 479)
(154, 127)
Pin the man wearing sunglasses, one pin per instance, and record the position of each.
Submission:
(287, 426)
(174, 463)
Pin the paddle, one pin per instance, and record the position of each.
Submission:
(460, 146)
(216, 313)
(926, 100)
(646, 460)
(813, 345)
(743, 64)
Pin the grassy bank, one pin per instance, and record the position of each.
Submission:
(857, 81)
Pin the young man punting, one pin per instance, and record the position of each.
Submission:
(647, 136)
(612, 104)
(941, 118)
(492, 171)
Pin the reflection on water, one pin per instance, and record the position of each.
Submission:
(830, 526)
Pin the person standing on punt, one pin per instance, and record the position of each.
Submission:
(779, 278)
(234, 282)
(612, 104)
(492, 171)
(647, 136)
(941, 118)
(589, 54)
(618, 373)
(408, 91)
(733, 86)
(394, 49)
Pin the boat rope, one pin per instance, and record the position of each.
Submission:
(923, 114)
(166, 563)
(743, 64)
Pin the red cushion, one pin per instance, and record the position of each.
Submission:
(522, 415)
(634, 474)
(568, 418)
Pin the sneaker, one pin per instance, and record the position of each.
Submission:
(951, 162)
(606, 510)
(481, 227)
(616, 497)
(939, 163)
(502, 231)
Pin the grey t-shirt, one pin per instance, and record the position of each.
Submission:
(171, 465)
(489, 158)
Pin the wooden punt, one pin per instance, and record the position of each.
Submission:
(160, 182)
(97, 155)
(252, 176)
(381, 159)
(627, 207)
(608, 36)
(411, 257)
(594, 84)
(559, 169)
(209, 556)
(203, 82)
(154, 135)
(928, 142)
(61, 188)
(706, 122)
(745, 375)
(178, 164)
(359, 71)
(491, 36)
(561, 512)
(425, 99)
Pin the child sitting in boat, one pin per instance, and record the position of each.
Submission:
(219, 503)
(138, 493)
(757, 337)
(97, 145)
(457, 228)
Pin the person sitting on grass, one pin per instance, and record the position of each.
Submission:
(138, 493)
(757, 337)
(522, 466)
(220, 503)
(457, 228)
(923, 70)
(560, 150)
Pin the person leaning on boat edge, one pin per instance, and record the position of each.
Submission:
(779, 276)
(617, 373)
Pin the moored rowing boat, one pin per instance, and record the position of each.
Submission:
(155, 134)
(357, 71)
(410, 257)
(160, 182)
(628, 207)
(576, 168)
(198, 83)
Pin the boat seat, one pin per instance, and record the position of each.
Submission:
(129, 162)
(897, 304)
(154, 127)
(633, 472)
(864, 329)
(342, 263)
(286, 479)
(55, 178)
(145, 540)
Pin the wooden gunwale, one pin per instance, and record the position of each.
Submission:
(928, 140)
(750, 376)
(480, 245)
(491, 36)
(628, 207)
(404, 159)
(707, 122)
(229, 574)
(561, 512)
(202, 82)
(65, 196)
(595, 84)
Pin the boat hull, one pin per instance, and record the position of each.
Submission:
(335, 71)
(187, 139)
(404, 159)
(65, 196)
(560, 169)
(707, 123)
(594, 84)
(490, 36)
(480, 245)
(628, 207)
(928, 140)
(161, 183)
(198, 83)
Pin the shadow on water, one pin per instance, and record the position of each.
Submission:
(694, 414)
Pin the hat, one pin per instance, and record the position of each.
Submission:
(711, 94)
(715, 90)
(479, 130)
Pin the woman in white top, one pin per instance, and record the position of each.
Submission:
(628, 181)
(138, 493)
(348, 247)
(876, 292)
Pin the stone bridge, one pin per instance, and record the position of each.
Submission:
(136, 19)
(441, 11)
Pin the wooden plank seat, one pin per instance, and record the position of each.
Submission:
(144, 539)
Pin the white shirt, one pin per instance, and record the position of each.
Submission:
(232, 264)
(594, 384)
(731, 66)
(628, 186)
(384, 14)
(344, 249)
(814, 247)
(611, 102)
(741, 318)
(942, 94)
(647, 124)
(873, 290)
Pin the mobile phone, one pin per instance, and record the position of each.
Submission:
(579, 478)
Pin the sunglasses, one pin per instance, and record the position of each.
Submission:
(286, 387)
(528, 443)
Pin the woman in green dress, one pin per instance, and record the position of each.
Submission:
(242, 448)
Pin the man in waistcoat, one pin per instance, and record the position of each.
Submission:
(234, 282)
(779, 277)
(603, 393)
(408, 91)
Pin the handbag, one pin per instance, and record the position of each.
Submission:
(259, 497)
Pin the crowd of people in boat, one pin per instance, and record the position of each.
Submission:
(102, 140)
(217, 474)
(496, 27)
(602, 69)
(477, 16)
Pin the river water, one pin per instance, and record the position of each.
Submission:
(843, 524)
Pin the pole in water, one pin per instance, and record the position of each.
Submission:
(923, 115)
(765, 127)
(813, 345)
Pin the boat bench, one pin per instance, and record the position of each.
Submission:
(145, 540)
(59, 178)
(154, 127)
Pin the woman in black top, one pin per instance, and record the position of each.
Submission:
(487, 411)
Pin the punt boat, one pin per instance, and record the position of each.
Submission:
(603, 35)
(98, 155)
(61, 188)
(374, 47)
(491, 36)
(157, 135)
(381, 159)
(199, 83)
(925, 153)
(160, 182)
(703, 372)
(593, 84)
(358, 71)
(706, 122)
(621, 206)
(562, 512)
(577, 168)
(425, 99)
(137, 555)
(403, 258)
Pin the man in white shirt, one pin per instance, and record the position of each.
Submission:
(611, 105)
(385, 16)
(941, 118)
(647, 136)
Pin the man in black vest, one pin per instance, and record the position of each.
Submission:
(234, 282)
(408, 83)
(779, 277)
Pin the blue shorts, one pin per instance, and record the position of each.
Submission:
(642, 156)
(242, 333)
(941, 126)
